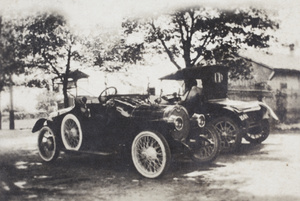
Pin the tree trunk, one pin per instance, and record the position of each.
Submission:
(65, 93)
(65, 80)
(187, 53)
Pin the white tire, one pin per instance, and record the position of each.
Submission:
(71, 132)
(47, 146)
(150, 154)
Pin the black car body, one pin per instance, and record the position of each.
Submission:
(129, 124)
(232, 119)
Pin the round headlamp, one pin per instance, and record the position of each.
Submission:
(178, 118)
(200, 119)
(178, 123)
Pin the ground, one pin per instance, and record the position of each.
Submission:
(269, 171)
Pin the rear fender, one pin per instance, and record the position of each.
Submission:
(231, 109)
(226, 111)
(38, 125)
(230, 112)
(268, 112)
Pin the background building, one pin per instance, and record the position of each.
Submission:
(276, 77)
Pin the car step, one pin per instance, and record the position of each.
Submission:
(91, 152)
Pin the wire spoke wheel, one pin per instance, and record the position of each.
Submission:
(150, 154)
(47, 145)
(259, 134)
(71, 132)
(206, 146)
(229, 133)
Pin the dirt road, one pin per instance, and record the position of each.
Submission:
(270, 171)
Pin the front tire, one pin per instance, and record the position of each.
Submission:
(150, 154)
(47, 145)
(71, 132)
(206, 146)
(259, 134)
(230, 134)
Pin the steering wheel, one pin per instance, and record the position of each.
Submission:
(171, 98)
(104, 95)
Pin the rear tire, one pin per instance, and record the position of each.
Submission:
(71, 132)
(231, 136)
(47, 145)
(150, 154)
(261, 135)
(207, 146)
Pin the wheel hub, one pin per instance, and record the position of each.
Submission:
(73, 132)
(49, 144)
(224, 133)
(150, 153)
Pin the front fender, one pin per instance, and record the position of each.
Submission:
(38, 125)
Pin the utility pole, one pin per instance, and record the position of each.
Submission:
(1, 87)
(0, 110)
(11, 112)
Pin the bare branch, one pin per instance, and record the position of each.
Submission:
(192, 29)
(186, 27)
(180, 29)
(199, 52)
(169, 53)
(52, 66)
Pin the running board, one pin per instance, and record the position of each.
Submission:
(97, 153)
(91, 152)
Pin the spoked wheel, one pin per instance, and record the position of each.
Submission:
(150, 154)
(47, 145)
(206, 145)
(229, 132)
(258, 134)
(71, 132)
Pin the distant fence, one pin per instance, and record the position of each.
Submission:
(253, 95)
(24, 115)
(285, 105)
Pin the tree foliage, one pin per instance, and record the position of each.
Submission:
(112, 52)
(199, 36)
(52, 47)
(12, 50)
(43, 43)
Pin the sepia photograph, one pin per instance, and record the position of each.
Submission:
(150, 100)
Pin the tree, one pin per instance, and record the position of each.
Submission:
(52, 46)
(199, 36)
(12, 54)
(112, 52)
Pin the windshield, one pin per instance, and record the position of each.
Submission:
(175, 86)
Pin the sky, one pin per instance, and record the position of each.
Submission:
(87, 16)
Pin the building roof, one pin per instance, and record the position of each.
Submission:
(278, 62)
(194, 73)
(74, 75)
(77, 74)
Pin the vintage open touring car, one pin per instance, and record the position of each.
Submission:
(232, 119)
(114, 123)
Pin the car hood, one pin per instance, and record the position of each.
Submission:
(137, 108)
(242, 106)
